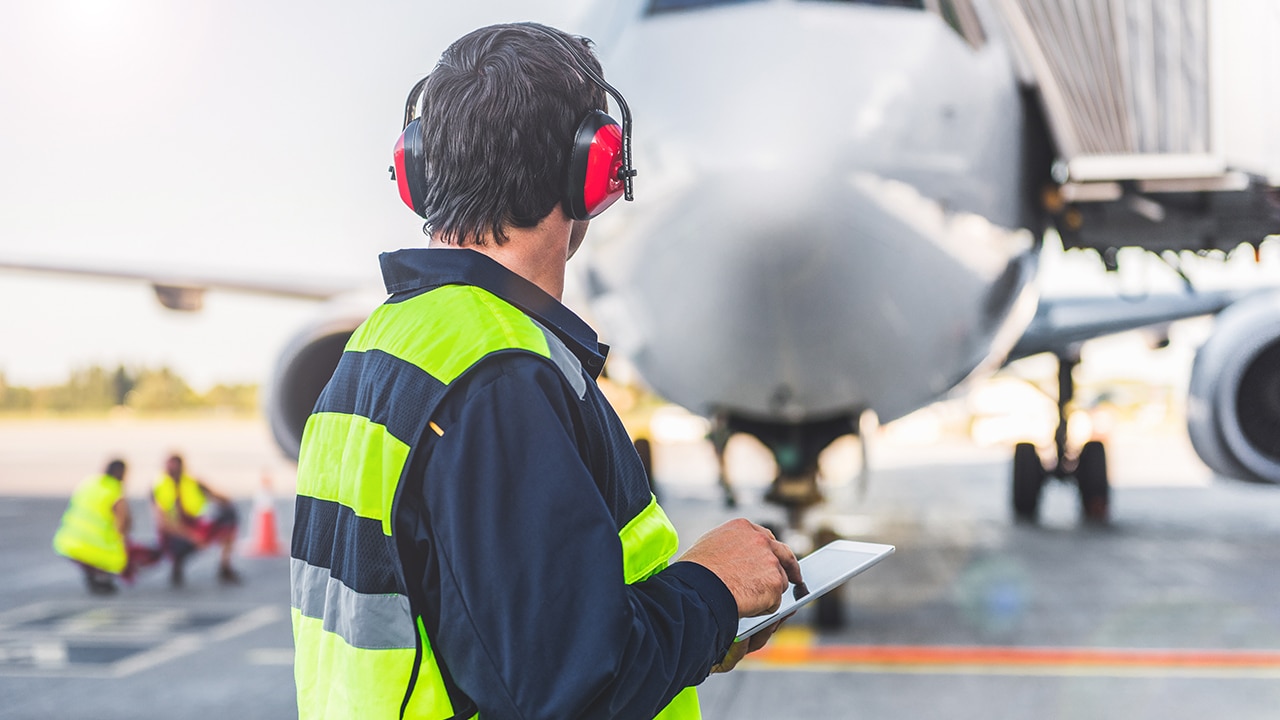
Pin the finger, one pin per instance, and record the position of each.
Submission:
(765, 531)
(731, 658)
(773, 606)
(757, 641)
(790, 565)
(801, 590)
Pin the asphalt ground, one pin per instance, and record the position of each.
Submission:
(1171, 611)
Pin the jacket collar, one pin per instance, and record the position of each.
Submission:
(417, 270)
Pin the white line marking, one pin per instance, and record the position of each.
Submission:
(270, 656)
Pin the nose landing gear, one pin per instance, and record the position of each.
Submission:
(795, 488)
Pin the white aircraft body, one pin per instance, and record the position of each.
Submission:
(839, 213)
(842, 211)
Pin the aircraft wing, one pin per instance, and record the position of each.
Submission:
(185, 291)
(1062, 323)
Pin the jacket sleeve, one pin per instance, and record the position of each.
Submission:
(520, 565)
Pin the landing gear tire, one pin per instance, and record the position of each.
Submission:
(828, 611)
(1091, 477)
(1028, 480)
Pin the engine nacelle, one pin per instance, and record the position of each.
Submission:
(1233, 409)
(301, 372)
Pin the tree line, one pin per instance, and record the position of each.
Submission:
(96, 389)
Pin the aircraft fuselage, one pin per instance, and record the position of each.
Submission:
(808, 245)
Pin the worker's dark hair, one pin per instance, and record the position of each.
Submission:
(115, 469)
(499, 115)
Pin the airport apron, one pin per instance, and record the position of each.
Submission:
(88, 533)
(360, 652)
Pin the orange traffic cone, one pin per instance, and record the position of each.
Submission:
(265, 543)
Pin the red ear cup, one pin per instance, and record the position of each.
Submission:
(595, 166)
(409, 167)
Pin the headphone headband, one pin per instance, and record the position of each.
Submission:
(627, 171)
(411, 103)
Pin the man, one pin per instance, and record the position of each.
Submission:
(474, 532)
(180, 503)
(95, 532)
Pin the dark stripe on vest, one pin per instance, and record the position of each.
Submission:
(364, 563)
(383, 388)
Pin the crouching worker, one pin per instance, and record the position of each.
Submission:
(186, 521)
(95, 532)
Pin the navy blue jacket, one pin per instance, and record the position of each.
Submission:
(507, 530)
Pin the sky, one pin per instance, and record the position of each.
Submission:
(210, 137)
(220, 137)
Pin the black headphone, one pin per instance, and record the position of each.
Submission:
(600, 168)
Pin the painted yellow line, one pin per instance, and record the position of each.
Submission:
(1017, 660)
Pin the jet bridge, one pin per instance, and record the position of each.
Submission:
(1163, 115)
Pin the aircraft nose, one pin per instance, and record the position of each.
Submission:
(792, 276)
(782, 208)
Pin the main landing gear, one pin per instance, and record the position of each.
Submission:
(1088, 469)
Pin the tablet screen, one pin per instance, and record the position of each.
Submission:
(823, 570)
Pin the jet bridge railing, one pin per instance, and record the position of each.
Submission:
(1163, 117)
(1153, 89)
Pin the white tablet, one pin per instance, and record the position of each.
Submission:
(823, 570)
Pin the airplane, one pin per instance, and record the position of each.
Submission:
(845, 227)
(841, 208)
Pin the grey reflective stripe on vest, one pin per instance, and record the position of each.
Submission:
(565, 361)
(370, 622)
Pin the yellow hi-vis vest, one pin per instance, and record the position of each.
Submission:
(88, 532)
(185, 495)
(363, 654)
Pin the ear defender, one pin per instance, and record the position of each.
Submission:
(406, 171)
(599, 169)
(595, 179)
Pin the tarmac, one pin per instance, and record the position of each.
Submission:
(1171, 611)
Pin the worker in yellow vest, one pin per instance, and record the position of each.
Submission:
(187, 521)
(474, 533)
(95, 532)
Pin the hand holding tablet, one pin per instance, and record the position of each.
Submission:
(750, 561)
(823, 570)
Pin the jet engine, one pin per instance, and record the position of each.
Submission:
(305, 365)
(1233, 412)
